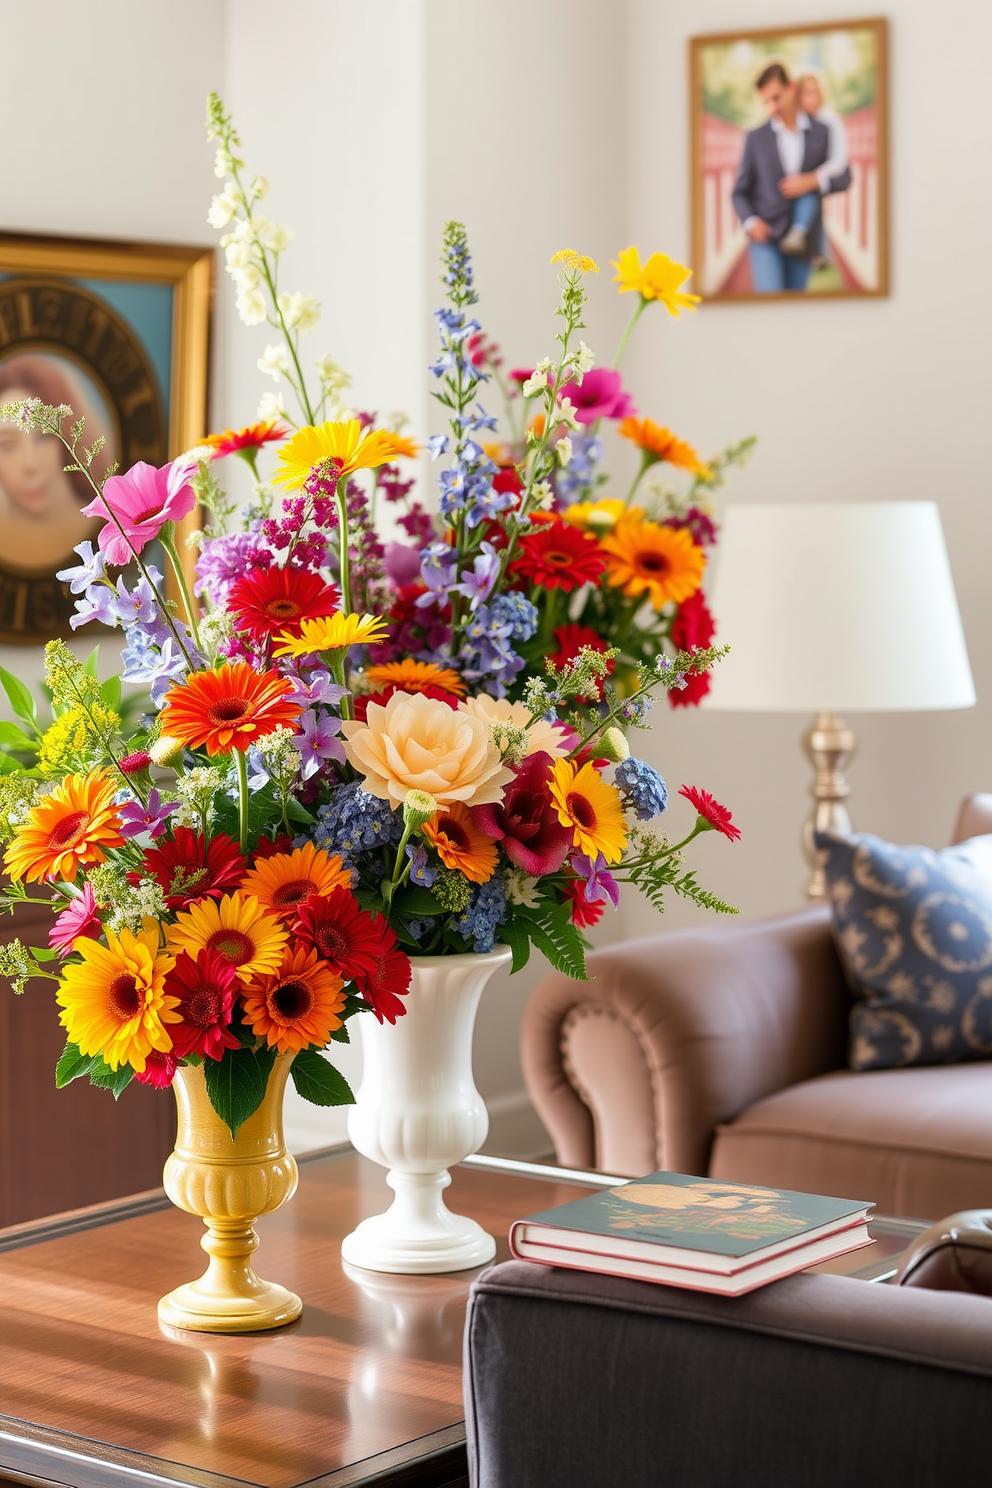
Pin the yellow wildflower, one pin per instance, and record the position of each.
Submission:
(578, 262)
(658, 278)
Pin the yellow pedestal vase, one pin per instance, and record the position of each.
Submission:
(229, 1181)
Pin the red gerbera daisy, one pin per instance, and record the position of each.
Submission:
(347, 937)
(716, 817)
(269, 846)
(361, 703)
(584, 914)
(159, 1071)
(693, 624)
(571, 640)
(559, 556)
(270, 600)
(205, 989)
(387, 983)
(189, 868)
(252, 437)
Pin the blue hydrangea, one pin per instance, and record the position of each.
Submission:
(354, 822)
(485, 913)
(642, 787)
(516, 611)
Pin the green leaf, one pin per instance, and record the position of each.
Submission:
(416, 901)
(9, 765)
(110, 692)
(43, 953)
(19, 697)
(319, 1082)
(91, 662)
(71, 1065)
(341, 1035)
(298, 813)
(11, 737)
(105, 1078)
(556, 937)
(513, 934)
(236, 1084)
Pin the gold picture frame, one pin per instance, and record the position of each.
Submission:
(124, 329)
(848, 61)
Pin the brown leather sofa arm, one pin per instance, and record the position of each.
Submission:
(634, 1069)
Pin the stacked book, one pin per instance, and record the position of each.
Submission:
(694, 1232)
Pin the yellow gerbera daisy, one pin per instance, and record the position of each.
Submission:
(599, 516)
(332, 633)
(645, 558)
(348, 444)
(236, 927)
(657, 443)
(578, 261)
(658, 278)
(73, 825)
(592, 808)
(281, 882)
(114, 1002)
(414, 676)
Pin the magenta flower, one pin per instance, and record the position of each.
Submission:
(142, 501)
(600, 395)
(526, 822)
(79, 919)
(600, 884)
(402, 564)
(317, 741)
(159, 1070)
(137, 818)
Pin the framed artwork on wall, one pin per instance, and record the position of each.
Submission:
(120, 333)
(789, 162)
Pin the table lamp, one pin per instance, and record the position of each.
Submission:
(832, 608)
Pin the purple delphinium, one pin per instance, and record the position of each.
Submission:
(317, 741)
(477, 583)
(600, 884)
(88, 572)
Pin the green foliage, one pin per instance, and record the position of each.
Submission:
(236, 1084)
(20, 699)
(654, 875)
(514, 934)
(72, 1065)
(319, 1082)
(552, 932)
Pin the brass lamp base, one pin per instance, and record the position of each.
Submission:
(829, 745)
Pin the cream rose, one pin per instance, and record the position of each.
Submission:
(419, 743)
(540, 735)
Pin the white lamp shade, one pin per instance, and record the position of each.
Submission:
(837, 607)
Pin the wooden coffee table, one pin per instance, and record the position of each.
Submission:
(364, 1388)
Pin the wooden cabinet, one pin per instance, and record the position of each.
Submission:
(62, 1149)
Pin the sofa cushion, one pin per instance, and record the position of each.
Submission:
(915, 1142)
(914, 933)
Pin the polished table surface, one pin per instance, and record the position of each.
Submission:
(365, 1386)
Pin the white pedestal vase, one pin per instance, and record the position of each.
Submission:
(417, 1111)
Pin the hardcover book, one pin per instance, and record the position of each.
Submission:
(694, 1232)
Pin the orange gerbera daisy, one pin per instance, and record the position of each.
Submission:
(231, 708)
(657, 443)
(461, 843)
(298, 1004)
(284, 881)
(73, 825)
(592, 808)
(236, 927)
(245, 441)
(415, 676)
(645, 558)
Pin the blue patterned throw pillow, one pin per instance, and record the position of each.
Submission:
(914, 933)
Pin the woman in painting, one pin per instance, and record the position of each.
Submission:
(40, 517)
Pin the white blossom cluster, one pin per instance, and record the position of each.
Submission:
(196, 790)
(124, 905)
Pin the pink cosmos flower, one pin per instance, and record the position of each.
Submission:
(79, 919)
(142, 501)
(600, 395)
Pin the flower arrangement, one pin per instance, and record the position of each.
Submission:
(355, 751)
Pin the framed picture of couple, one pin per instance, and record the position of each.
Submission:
(789, 162)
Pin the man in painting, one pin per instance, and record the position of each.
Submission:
(786, 169)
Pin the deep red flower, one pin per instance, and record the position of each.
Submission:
(584, 914)
(159, 1071)
(205, 988)
(571, 639)
(252, 437)
(697, 685)
(362, 701)
(717, 816)
(347, 937)
(269, 846)
(693, 624)
(387, 983)
(559, 556)
(136, 763)
(189, 868)
(507, 480)
(526, 822)
(270, 600)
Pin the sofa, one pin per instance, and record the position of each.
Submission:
(721, 1051)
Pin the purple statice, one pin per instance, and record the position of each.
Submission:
(634, 709)
(485, 913)
(136, 817)
(600, 884)
(392, 486)
(225, 560)
(642, 788)
(578, 479)
(89, 571)
(417, 523)
(317, 741)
